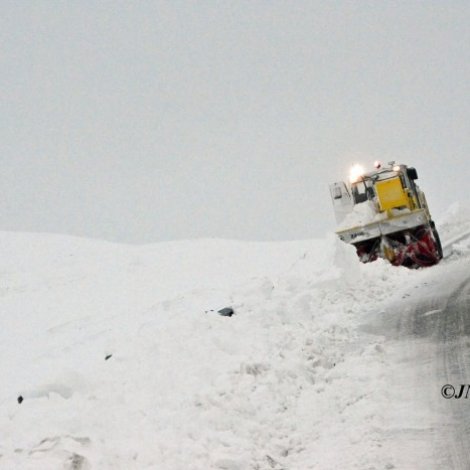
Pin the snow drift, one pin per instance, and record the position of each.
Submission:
(114, 356)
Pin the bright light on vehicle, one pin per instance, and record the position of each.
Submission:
(357, 171)
(396, 168)
(377, 164)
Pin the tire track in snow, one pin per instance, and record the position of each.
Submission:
(432, 337)
(454, 331)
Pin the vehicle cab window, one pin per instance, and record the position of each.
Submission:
(363, 191)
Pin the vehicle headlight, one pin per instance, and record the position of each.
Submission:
(356, 173)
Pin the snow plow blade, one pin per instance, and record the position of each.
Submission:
(413, 248)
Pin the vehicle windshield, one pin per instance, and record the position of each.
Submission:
(362, 191)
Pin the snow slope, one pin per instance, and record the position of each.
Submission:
(122, 361)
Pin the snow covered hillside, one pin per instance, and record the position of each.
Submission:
(114, 356)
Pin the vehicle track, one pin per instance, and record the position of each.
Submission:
(426, 336)
(435, 337)
(453, 330)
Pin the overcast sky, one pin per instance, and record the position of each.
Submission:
(147, 121)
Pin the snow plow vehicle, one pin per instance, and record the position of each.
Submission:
(384, 213)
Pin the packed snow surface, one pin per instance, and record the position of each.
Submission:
(362, 214)
(114, 356)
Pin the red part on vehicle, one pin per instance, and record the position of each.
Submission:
(425, 252)
(368, 250)
(415, 248)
